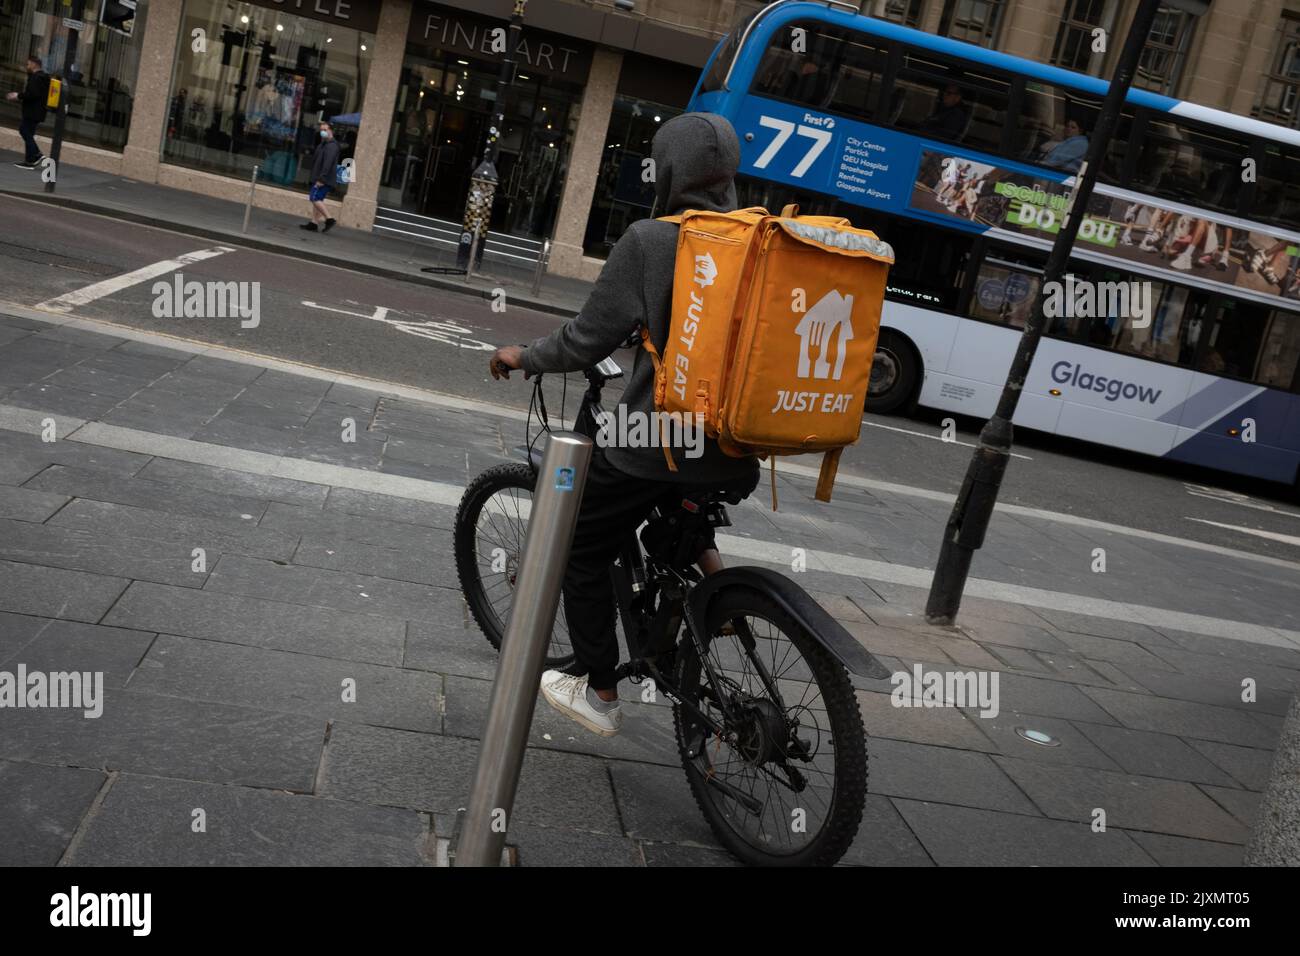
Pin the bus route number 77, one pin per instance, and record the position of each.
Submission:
(784, 129)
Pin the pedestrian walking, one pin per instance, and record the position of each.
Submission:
(33, 97)
(324, 176)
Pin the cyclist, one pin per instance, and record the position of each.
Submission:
(695, 157)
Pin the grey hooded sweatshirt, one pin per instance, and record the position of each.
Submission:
(696, 156)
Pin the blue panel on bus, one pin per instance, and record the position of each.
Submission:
(860, 163)
(856, 162)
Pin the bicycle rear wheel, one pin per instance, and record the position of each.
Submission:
(789, 788)
(491, 526)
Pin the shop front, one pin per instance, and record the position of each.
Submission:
(446, 104)
(252, 82)
(104, 66)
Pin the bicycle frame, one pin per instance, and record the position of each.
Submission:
(651, 631)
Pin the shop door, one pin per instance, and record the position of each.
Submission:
(456, 150)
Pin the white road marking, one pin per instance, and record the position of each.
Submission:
(70, 300)
(1257, 532)
(908, 431)
(1234, 498)
(448, 333)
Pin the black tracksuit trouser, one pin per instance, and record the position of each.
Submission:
(614, 505)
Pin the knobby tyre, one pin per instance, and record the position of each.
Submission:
(803, 757)
(491, 527)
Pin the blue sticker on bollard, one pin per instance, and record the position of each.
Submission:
(563, 479)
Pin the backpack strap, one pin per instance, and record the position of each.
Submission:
(826, 478)
(677, 219)
(649, 346)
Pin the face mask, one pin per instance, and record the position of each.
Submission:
(324, 134)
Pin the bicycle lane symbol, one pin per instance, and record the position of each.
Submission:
(448, 333)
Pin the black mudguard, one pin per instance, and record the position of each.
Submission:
(795, 601)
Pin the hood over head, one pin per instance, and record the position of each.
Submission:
(696, 156)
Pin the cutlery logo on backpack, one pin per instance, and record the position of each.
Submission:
(706, 270)
(829, 318)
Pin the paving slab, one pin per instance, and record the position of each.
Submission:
(963, 836)
(1131, 802)
(170, 497)
(1180, 851)
(229, 481)
(40, 809)
(943, 775)
(1182, 718)
(554, 846)
(28, 504)
(270, 624)
(166, 736)
(150, 821)
(108, 521)
(1248, 766)
(54, 592)
(291, 683)
(1154, 754)
(944, 726)
(430, 772)
(345, 591)
(72, 646)
(165, 561)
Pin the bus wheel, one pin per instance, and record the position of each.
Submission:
(894, 372)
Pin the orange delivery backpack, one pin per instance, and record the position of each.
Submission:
(774, 326)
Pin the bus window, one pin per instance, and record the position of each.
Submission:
(1005, 290)
(929, 262)
(1236, 332)
(1160, 335)
(1279, 359)
(856, 89)
(1277, 190)
(934, 98)
(717, 74)
(1182, 162)
(1055, 126)
(800, 67)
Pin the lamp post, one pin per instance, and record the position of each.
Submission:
(964, 533)
(483, 182)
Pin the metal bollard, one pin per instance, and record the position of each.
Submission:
(248, 209)
(543, 260)
(528, 633)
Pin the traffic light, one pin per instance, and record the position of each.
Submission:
(118, 15)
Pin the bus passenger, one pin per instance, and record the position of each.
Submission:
(1067, 153)
(951, 115)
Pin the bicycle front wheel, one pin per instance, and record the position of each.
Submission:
(491, 527)
(786, 783)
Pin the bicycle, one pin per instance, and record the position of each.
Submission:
(728, 650)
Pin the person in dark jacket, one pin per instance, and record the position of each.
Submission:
(324, 176)
(33, 97)
(696, 156)
(951, 115)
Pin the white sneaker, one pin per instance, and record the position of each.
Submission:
(1184, 261)
(568, 695)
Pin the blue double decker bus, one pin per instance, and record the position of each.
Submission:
(962, 159)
